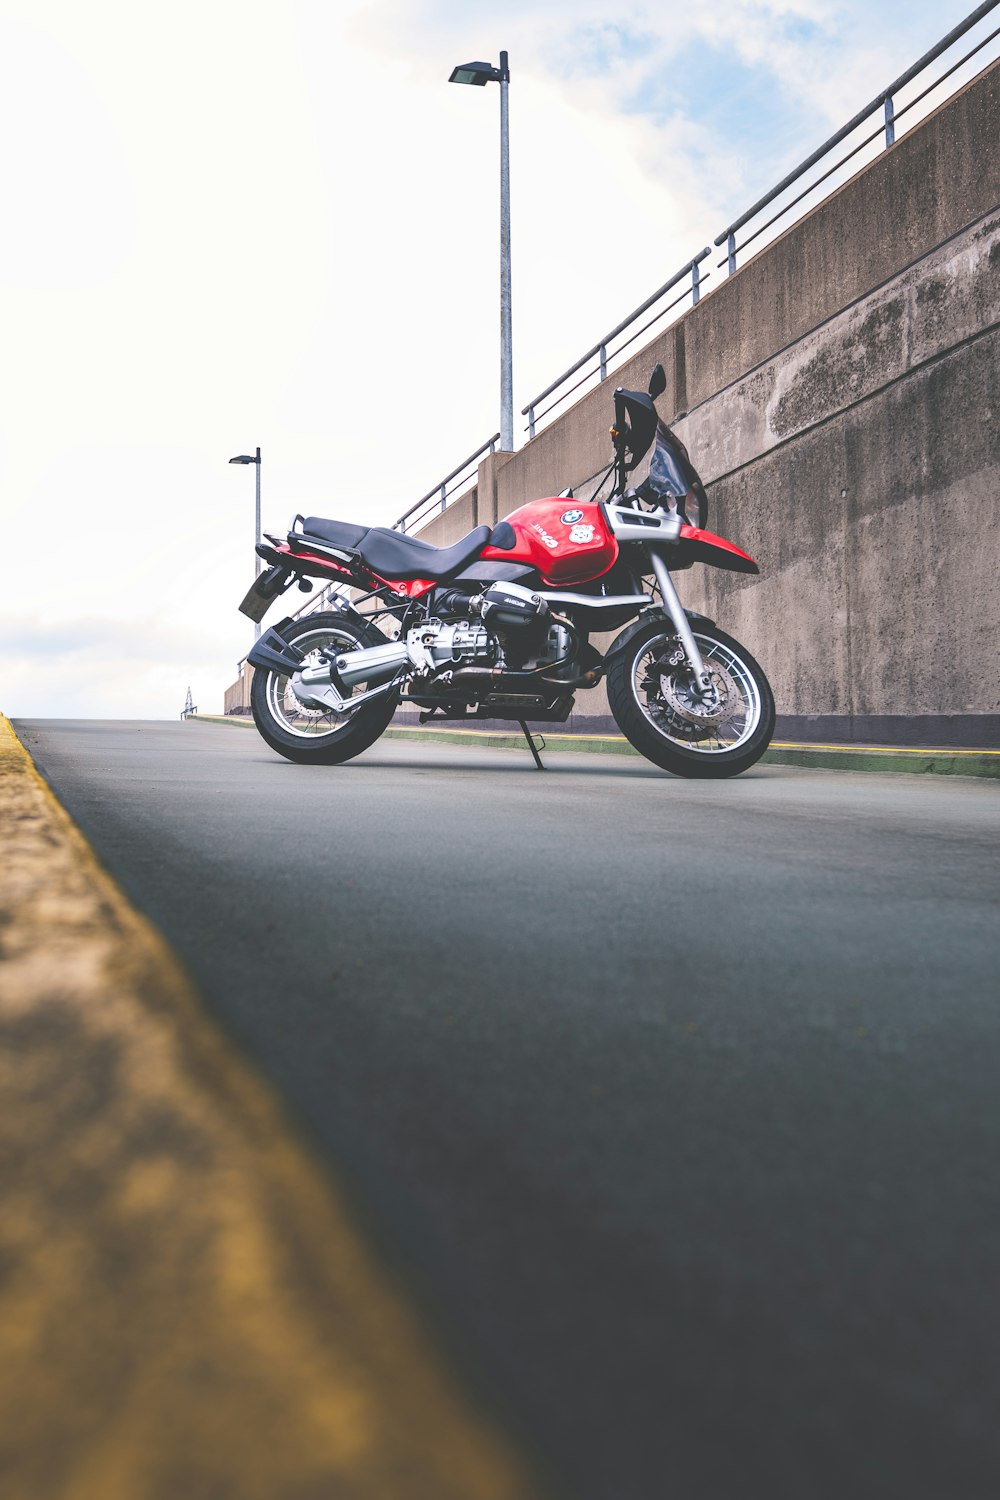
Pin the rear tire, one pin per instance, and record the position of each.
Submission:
(648, 703)
(308, 736)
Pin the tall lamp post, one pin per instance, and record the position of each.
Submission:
(480, 74)
(245, 458)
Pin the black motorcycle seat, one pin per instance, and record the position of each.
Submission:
(392, 555)
(337, 533)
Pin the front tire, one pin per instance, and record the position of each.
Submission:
(313, 736)
(656, 712)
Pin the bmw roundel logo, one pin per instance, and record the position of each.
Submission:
(570, 517)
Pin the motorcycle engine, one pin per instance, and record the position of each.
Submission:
(438, 644)
(516, 631)
(529, 635)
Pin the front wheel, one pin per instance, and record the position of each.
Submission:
(316, 735)
(656, 707)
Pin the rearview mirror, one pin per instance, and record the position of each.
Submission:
(657, 382)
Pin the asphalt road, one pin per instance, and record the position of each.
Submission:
(675, 1103)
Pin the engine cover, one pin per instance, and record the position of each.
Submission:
(510, 606)
(437, 644)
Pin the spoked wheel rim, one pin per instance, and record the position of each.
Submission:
(669, 706)
(288, 712)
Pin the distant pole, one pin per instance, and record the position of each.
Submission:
(256, 574)
(245, 458)
(506, 349)
(479, 74)
(257, 531)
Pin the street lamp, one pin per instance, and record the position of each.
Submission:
(479, 74)
(245, 458)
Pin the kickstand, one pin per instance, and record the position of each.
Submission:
(531, 744)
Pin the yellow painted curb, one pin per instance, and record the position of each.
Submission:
(186, 1307)
(873, 749)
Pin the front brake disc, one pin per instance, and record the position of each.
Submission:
(683, 700)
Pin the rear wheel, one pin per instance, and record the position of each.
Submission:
(656, 707)
(318, 736)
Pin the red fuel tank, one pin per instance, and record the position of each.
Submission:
(568, 541)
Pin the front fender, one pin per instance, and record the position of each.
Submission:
(650, 617)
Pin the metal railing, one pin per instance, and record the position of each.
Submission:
(884, 102)
(602, 351)
(436, 499)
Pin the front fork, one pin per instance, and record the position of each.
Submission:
(674, 608)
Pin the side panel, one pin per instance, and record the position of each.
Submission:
(311, 564)
(412, 588)
(567, 541)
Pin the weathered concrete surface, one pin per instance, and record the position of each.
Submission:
(941, 301)
(935, 180)
(488, 480)
(879, 520)
(237, 695)
(186, 1308)
(880, 526)
(456, 521)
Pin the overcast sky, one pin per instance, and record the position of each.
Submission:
(239, 222)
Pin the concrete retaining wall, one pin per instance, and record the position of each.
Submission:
(237, 696)
(843, 406)
(861, 466)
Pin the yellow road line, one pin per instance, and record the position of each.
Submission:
(186, 1306)
(877, 749)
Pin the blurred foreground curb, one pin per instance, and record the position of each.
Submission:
(187, 1308)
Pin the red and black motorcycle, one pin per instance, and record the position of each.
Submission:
(498, 626)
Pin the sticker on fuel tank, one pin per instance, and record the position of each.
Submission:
(549, 541)
(581, 534)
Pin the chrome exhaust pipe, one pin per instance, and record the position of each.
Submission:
(371, 664)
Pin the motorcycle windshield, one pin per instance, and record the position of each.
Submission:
(673, 479)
